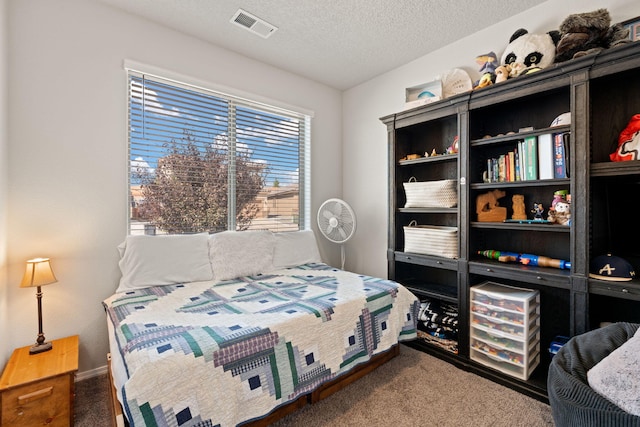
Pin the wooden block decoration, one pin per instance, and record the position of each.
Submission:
(518, 207)
(488, 208)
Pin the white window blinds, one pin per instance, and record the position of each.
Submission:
(202, 161)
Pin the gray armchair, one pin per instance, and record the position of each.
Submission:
(573, 402)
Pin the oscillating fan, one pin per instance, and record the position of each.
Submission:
(337, 222)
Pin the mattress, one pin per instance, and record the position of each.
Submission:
(221, 353)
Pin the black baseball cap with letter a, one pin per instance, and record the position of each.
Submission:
(613, 268)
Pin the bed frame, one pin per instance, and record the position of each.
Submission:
(325, 390)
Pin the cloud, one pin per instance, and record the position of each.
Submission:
(220, 142)
(140, 165)
(150, 99)
(290, 178)
(273, 133)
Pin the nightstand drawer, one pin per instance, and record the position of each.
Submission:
(42, 403)
(38, 389)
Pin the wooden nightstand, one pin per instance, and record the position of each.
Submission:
(38, 389)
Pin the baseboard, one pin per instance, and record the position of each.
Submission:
(102, 370)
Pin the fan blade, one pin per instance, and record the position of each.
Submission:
(327, 214)
(342, 233)
(337, 209)
(347, 227)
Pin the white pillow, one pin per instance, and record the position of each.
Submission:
(617, 376)
(295, 248)
(164, 260)
(241, 253)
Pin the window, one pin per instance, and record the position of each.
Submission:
(202, 161)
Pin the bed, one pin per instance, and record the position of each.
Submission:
(242, 328)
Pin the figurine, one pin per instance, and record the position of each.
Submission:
(488, 208)
(538, 211)
(453, 148)
(518, 207)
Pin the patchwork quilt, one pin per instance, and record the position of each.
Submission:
(221, 353)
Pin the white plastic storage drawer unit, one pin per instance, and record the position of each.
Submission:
(505, 328)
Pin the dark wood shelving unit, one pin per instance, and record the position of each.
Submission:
(602, 93)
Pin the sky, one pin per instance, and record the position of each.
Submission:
(160, 113)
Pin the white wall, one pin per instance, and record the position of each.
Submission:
(65, 150)
(67, 160)
(365, 139)
(5, 349)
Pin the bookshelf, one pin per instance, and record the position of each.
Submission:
(598, 94)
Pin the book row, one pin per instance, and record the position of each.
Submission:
(534, 157)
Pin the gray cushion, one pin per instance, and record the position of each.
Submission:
(573, 402)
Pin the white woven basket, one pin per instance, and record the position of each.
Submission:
(431, 240)
(431, 194)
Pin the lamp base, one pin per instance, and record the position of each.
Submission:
(39, 348)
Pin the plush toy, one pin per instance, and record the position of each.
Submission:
(488, 64)
(527, 52)
(585, 33)
(487, 79)
(558, 196)
(502, 73)
(561, 214)
(628, 142)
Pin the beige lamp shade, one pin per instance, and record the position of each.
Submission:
(38, 273)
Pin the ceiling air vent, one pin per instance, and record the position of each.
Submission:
(253, 23)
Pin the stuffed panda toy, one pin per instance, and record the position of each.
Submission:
(527, 52)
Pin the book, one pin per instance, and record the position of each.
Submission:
(560, 155)
(506, 167)
(566, 138)
(494, 162)
(545, 156)
(531, 146)
(512, 166)
(523, 160)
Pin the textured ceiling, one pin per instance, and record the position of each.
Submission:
(340, 43)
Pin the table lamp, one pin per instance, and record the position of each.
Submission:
(38, 273)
